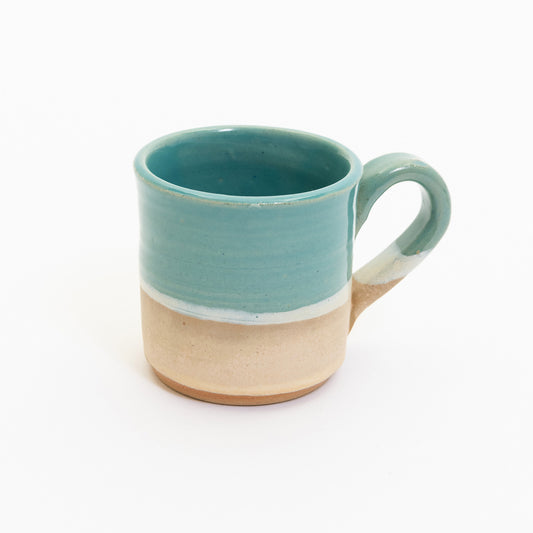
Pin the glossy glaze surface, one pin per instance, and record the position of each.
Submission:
(254, 254)
(248, 162)
(415, 243)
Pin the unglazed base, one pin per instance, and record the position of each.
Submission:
(242, 364)
(229, 399)
(363, 295)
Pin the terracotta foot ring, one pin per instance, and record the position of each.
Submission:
(228, 399)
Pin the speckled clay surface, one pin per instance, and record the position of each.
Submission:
(238, 359)
(246, 256)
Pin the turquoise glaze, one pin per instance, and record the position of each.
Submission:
(262, 220)
(249, 162)
(432, 220)
(284, 245)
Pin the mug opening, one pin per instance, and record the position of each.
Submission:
(244, 161)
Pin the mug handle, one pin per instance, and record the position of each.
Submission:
(383, 272)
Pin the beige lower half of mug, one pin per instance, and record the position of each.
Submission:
(242, 364)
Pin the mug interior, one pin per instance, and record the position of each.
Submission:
(248, 161)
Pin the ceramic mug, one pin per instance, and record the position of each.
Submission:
(246, 243)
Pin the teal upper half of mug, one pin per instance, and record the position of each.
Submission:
(248, 218)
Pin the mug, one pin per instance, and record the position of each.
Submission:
(246, 245)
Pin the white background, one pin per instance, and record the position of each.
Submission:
(428, 425)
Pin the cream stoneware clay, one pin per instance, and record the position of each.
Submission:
(246, 246)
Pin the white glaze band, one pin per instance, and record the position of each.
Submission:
(388, 266)
(235, 316)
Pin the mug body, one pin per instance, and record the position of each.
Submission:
(246, 238)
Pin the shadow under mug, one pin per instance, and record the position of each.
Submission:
(246, 242)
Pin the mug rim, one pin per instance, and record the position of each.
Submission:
(346, 182)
